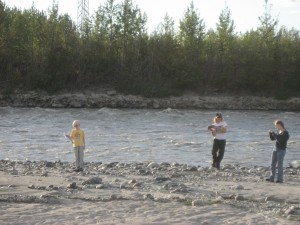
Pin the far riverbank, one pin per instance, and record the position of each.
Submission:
(112, 99)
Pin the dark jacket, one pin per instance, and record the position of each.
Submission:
(281, 139)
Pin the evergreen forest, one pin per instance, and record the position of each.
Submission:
(45, 51)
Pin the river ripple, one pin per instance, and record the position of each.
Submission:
(139, 135)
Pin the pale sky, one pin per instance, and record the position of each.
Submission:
(245, 13)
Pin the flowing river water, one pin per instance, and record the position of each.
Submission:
(130, 135)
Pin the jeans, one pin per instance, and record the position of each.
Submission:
(79, 157)
(277, 158)
(218, 152)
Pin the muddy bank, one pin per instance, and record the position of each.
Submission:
(112, 99)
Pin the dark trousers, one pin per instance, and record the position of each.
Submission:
(218, 152)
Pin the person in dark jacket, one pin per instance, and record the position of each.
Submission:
(281, 138)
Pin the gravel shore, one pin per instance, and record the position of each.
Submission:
(145, 193)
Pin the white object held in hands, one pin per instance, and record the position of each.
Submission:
(68, 137)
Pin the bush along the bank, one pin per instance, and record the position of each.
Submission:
(45, 51)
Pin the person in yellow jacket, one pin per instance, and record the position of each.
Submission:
(78, 138)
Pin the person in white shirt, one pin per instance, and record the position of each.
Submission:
(218, 130)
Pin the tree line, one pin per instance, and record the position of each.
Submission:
(45, 50)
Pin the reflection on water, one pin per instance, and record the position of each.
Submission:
(139, 135)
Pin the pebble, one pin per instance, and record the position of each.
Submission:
(148, 196)
(72, 185)
(175, 164)
(144, 172)
(138, 184)
(228, 167)
(153, 165)
(291, 210)
(193, 168)
(220, 199)
(179, 190)
(88, 186)
(198, 203)
(44, 174)
(239, 198)
(93, 180)
(162, 179)
(262, 169)
(295, 164)
(113, 197)
(124, 185)
(41, 187)
(274, 199)
(49, 164)
(165, 164)
(238, 187)
(14, 172)
(100, 186)
(31, 186)
(133, 181)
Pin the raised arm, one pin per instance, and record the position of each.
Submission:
(222, 130)
(281, 138)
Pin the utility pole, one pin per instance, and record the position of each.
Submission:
(82, 28)
(82, 15)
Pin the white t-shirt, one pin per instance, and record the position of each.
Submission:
(220, 136)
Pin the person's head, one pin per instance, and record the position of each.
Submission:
(76, 124)
(218, 117)
(279, 125)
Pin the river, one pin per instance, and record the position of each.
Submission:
(130, 135)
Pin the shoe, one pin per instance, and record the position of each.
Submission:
(279, 181)
(78, 170)
(270, 180)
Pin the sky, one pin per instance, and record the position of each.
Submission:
(244, 13)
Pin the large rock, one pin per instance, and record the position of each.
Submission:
(93, 180)
(295, 164)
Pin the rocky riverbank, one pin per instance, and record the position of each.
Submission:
(112, 99)
(145, 193)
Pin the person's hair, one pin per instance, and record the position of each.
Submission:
(76, 123)
(216, 117)
(280, 123)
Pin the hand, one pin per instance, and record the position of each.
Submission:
(210, 127)
(213, 132)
